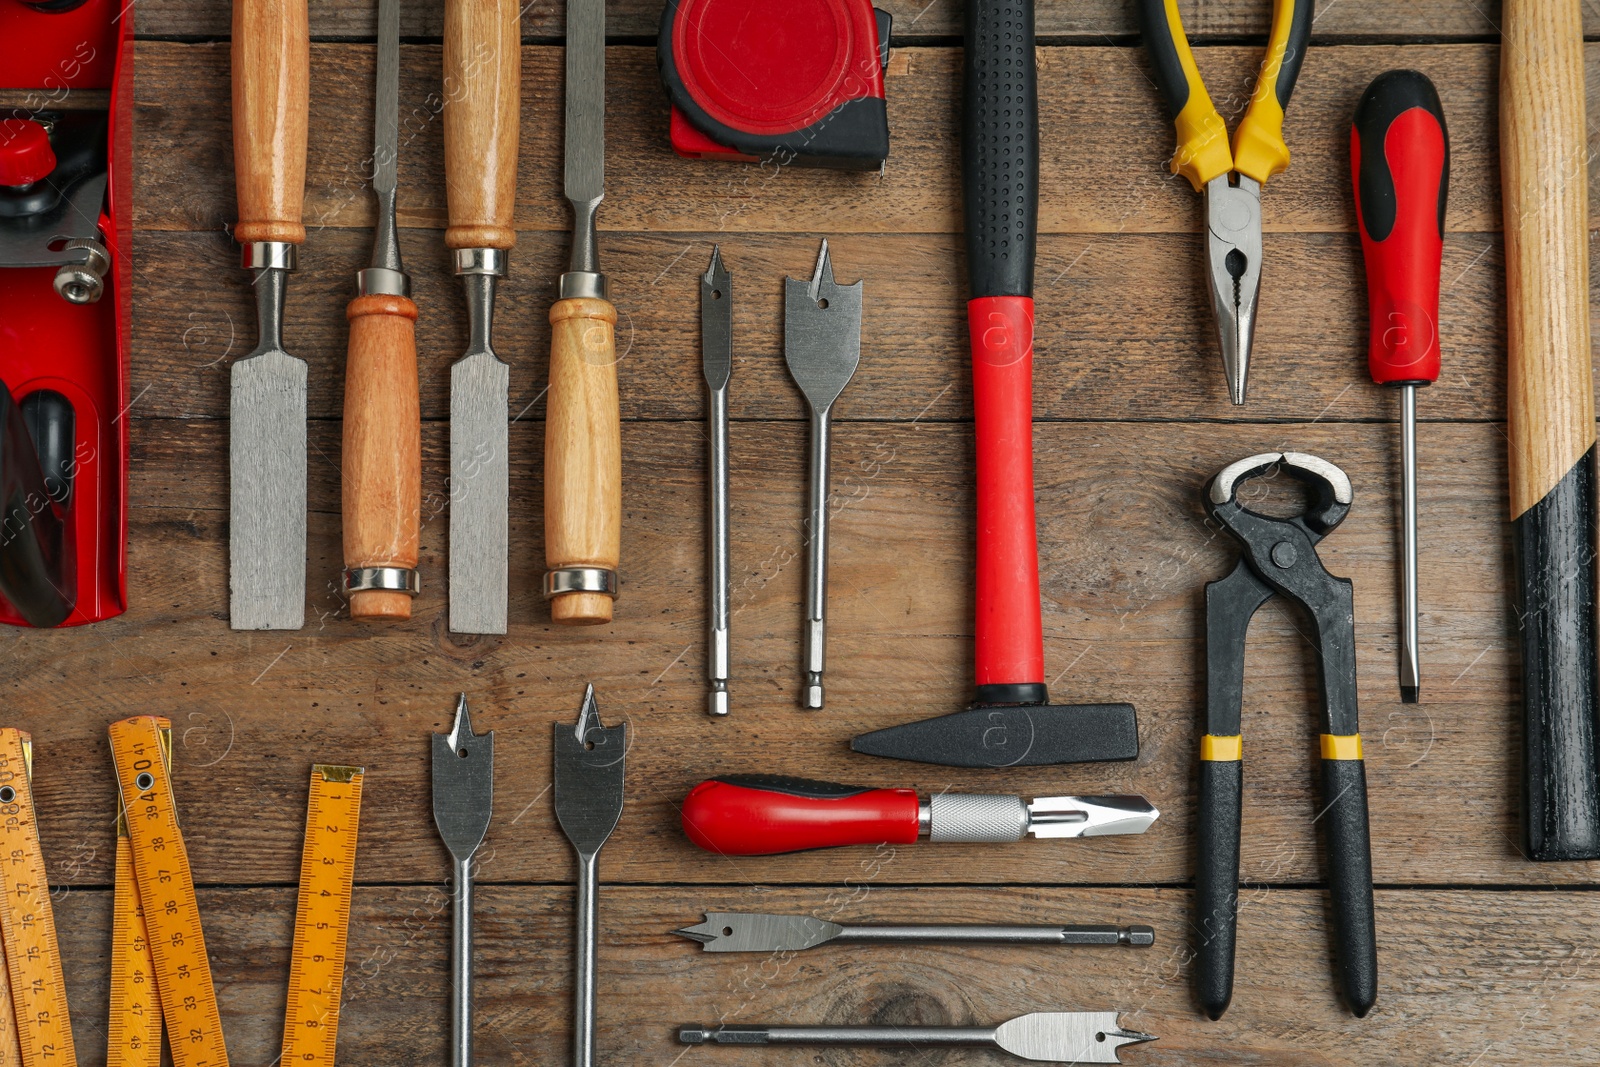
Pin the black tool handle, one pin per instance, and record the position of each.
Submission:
(1000, 147)
(1216, 882)
(1344, 793)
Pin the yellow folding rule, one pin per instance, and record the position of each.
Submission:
(33, 996)
(150, 926)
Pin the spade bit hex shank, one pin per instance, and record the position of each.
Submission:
(589, 762)
(822, 345)
(463, 796)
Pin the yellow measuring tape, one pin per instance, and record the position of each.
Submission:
(38, 1032)
(156, 973)
(322, 917)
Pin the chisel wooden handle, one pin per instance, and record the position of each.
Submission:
(382, 476)
(482, 87)
(582, 458)
(271, 78)
(1550, 417)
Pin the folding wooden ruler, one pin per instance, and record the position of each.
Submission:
(33, 1007)
(144, 985)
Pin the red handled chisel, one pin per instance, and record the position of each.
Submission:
(1400, 164)
(762, 814)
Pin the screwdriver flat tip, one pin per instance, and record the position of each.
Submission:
(1410, 694)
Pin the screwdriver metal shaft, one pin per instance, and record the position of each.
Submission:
(1410, 668)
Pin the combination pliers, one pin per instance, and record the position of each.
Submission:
(1230, 179)
(1280, 556)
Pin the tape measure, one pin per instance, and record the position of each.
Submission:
(794, 81)
(322, 916)
(38, 1031)
(165, 887)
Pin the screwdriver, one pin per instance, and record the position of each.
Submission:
(1400, 166)
(762, 814)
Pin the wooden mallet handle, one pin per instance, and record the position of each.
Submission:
(482, 86)
(1550, 417)
(582, 453)
(382, 466)
(271, 78)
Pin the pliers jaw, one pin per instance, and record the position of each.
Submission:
(1233, 245)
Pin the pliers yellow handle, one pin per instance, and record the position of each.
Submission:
(1258, 148)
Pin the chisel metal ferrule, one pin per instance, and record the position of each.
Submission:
(493, 261)
(385, 579)
(269, 255)
(382, 281)
(580, 580)
(583, 284)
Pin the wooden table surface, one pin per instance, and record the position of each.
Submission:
(1484, 957)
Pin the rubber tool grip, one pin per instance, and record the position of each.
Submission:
(1000, 180)
(1000, 147)
(1400, 164)
(758, 815)
(1345, 836)
(1216, 882)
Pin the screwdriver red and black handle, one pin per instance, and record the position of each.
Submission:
(1000, 182)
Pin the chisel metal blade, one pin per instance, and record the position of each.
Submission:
(267, 495)
(480, 385)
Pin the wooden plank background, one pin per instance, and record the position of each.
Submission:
(1485, 958)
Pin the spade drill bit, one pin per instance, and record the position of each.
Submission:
(716, 360)
(589, 765)
(732, 931)
(822, 345)
(1051, 1036)
(463, 796)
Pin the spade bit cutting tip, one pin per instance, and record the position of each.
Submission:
(1049, 1036)
(822, 345)
(729, 931)
(589, 760)
(463, 792)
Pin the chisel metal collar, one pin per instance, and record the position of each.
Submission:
(580, 580)
(269, 255)
(583, 284)
(382, 281)
(481, 261)
(382, 579)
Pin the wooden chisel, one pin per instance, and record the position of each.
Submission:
(1550, 419)
(267, 406)
(382, 464)
(583, 438)
(482, 79)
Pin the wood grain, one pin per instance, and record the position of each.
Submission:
(482, 88)
(1081, 20)
(1101, 175)
(1511, 998)
(1550, 391)
(382, 480)
(582, 454)
(271, 92)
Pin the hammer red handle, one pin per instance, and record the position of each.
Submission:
(1400, 159)
(760, 814)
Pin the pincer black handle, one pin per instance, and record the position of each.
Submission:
(1346, 837)
(1000, 147)
(1217, 881)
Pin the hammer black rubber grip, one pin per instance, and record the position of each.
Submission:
(1345, 835)
(1554, 546)
(1216, 882)
(1000, 147)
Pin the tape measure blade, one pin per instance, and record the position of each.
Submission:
(33, 953)
(166, 894)
(133, 1033)
(322, 917)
